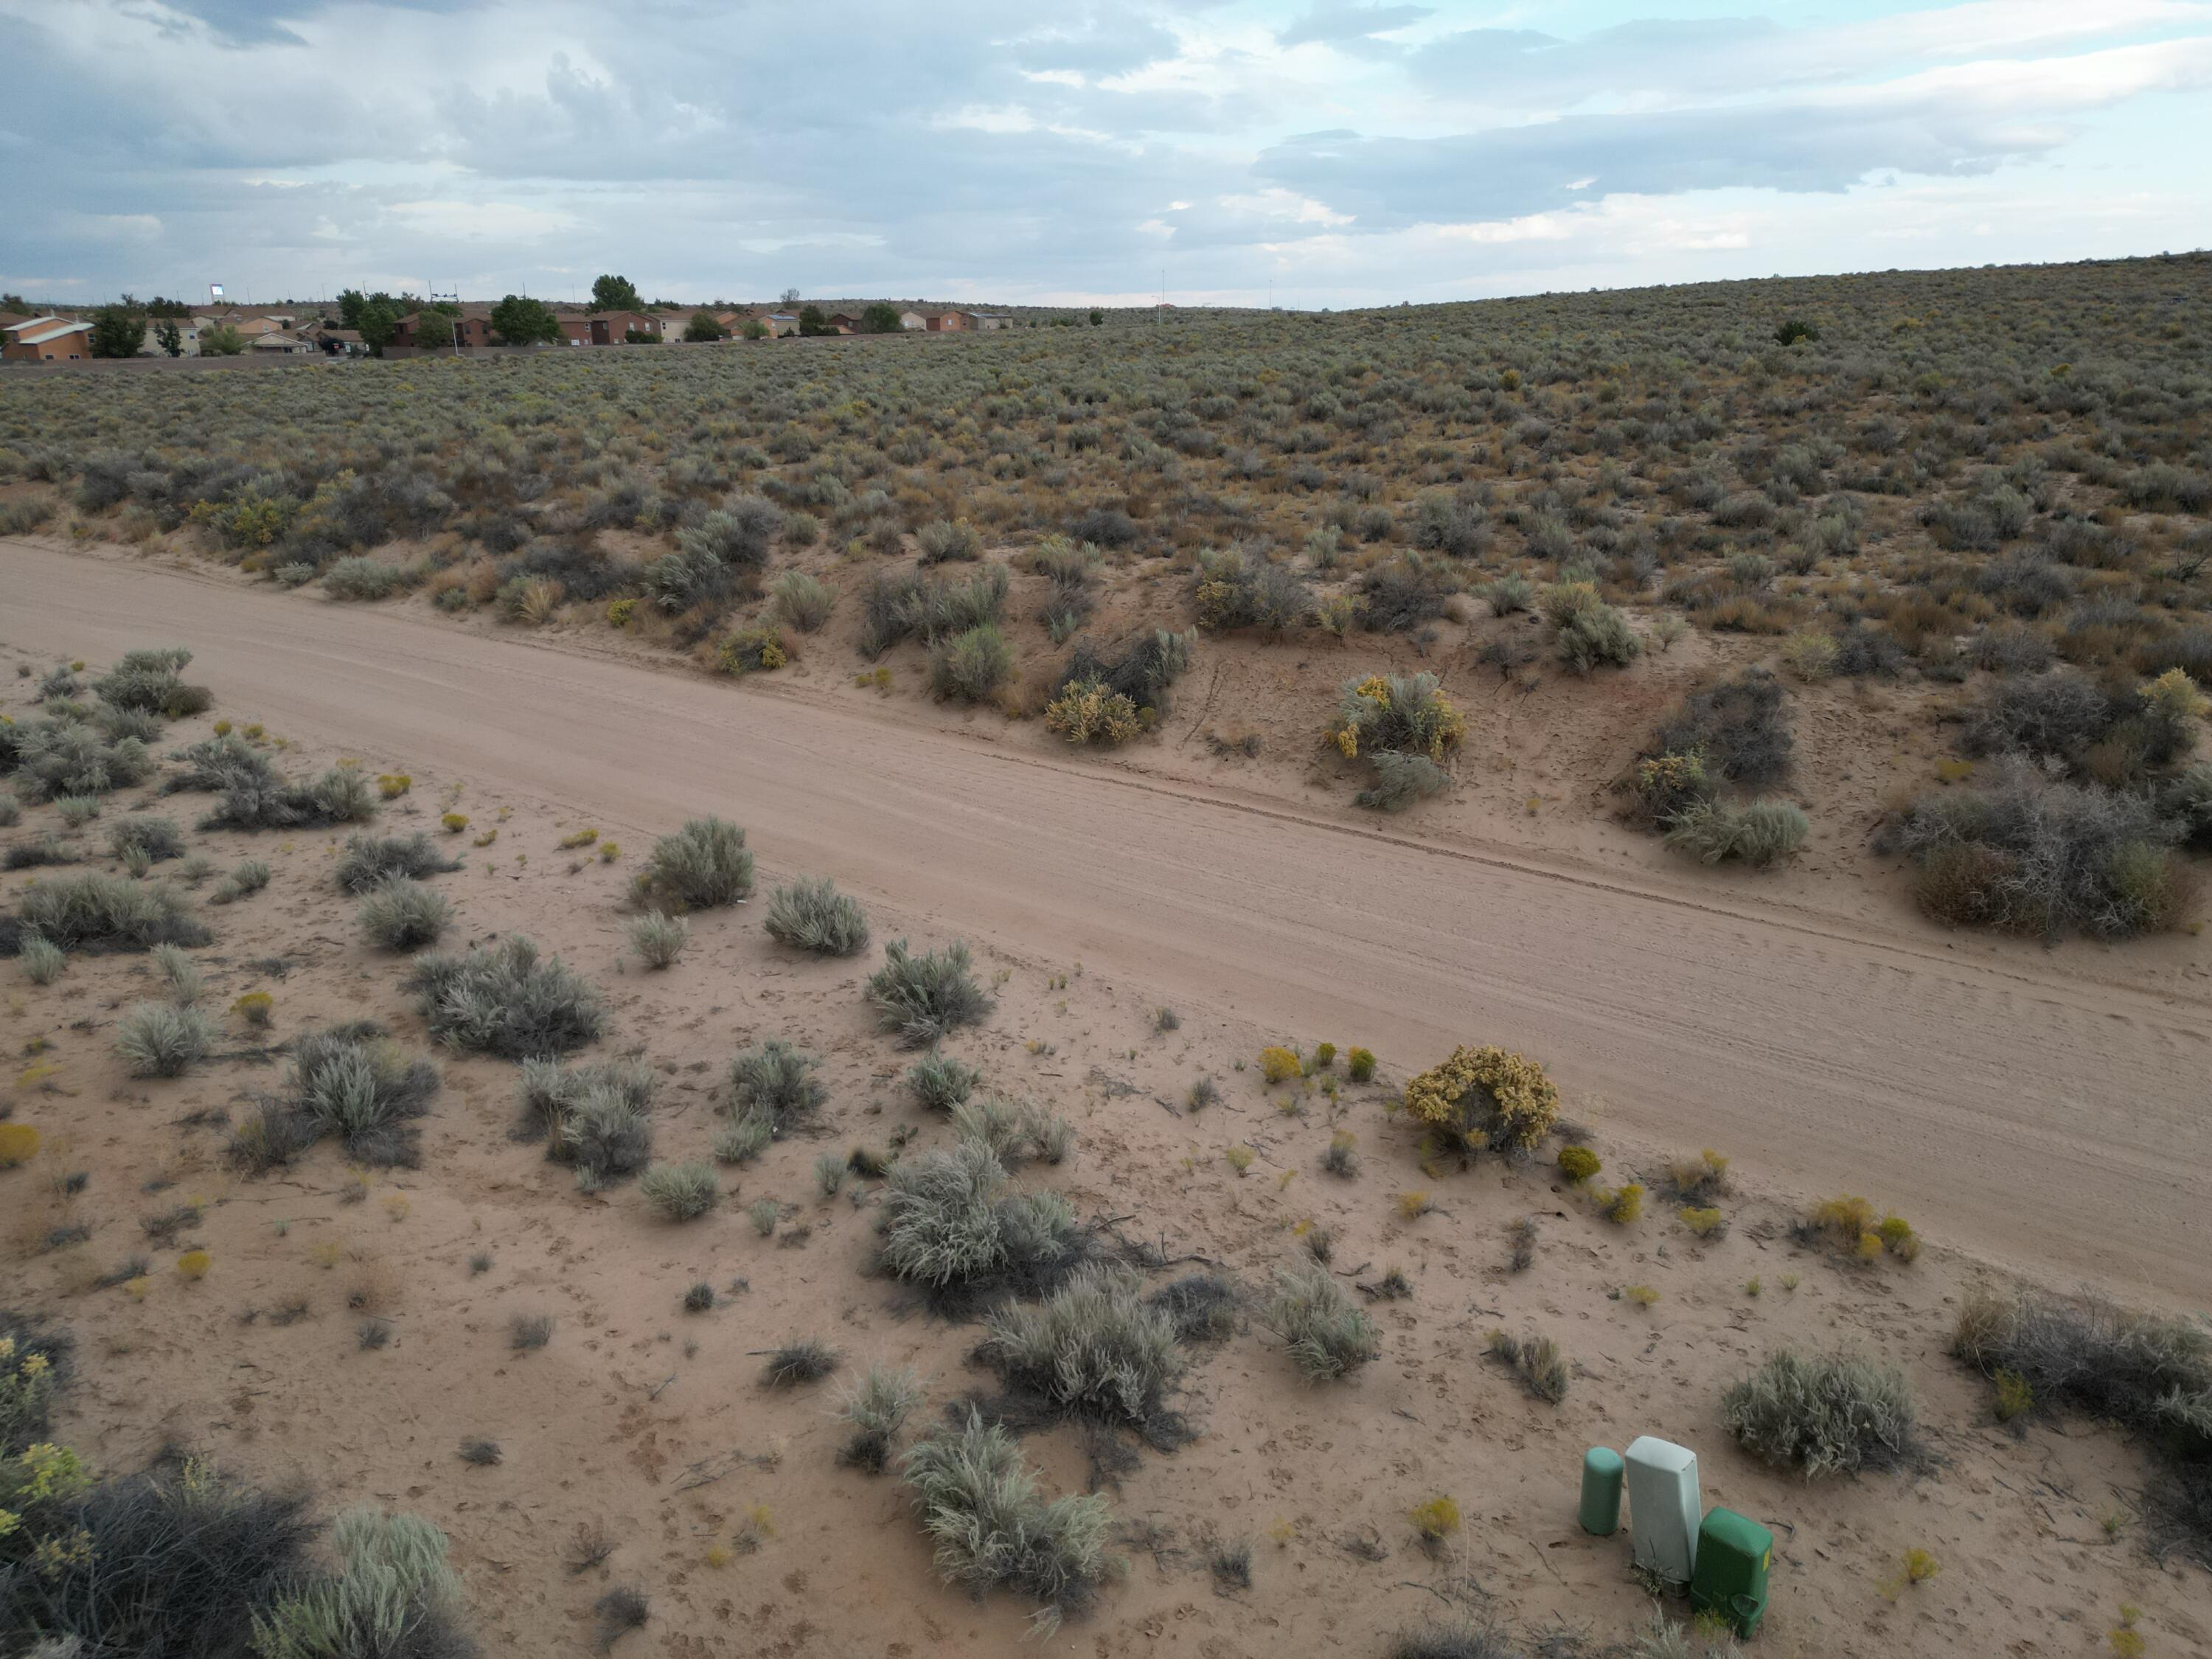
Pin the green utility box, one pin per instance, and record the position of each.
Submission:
(1734, 1555)
(1603, 1470)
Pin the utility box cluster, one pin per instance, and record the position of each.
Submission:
(1723, 1558)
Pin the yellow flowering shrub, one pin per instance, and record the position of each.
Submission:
(1436, 1520)
(1280, 1065)
(392, 784)
(1359, 1063)
(1089, 711)
(19, 1143)
(1405, 713)
(1486, 1093)
(253, 1007)
(760, 646)
(1578, 1164)
(2174, 697)
(621, 611)
(194, 1264)
(455, 823)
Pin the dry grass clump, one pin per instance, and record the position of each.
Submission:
(955, 1225)
(351, 1081)
(502, 1000)
(811, 914)
(979, 1505)
(393, 1576)
(1825, 1413)
(799, 1360)
(1095, 1348)
(923, 998)
(1327, 1337)
(702, 866)
(1539, 1363)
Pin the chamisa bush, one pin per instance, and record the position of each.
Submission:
(1824, 1413)
(1404, 726)
(811, 914)
(1484, 1096)
(921, 999)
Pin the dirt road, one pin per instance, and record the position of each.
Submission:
(2046, 1119)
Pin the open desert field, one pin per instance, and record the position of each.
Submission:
(1414, 892)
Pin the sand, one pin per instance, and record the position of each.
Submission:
(2030, 1111)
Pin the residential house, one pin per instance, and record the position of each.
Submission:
(989, 321)
(947, 322)
(47, 340)
(338, 341)
(911, 319)
(282, 342)
(844, 322)
(471, 329)
(780, 323)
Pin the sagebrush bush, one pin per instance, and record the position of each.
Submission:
(159, 1039)
(909, 606)
(1236, 589)
(366, 862)
(923, 999)
(811, 914)
(72, 911)
(502, 1000)
(776, 1082)
(154, 838)
(1095, 1348)
(659, 939)
(954, 1223)
(592, 1118)
(2031, 856)
(681, 1192)
(393, 1593)
(702, 866)
(403, 915)
(57, 756)
(1824, 1413)
(1328, 1339)
(877, 1407)
(971, 665)
(803, 601)
(1739, 727)
(349, 1081)
(979, 1503)
(41, 959)
(939, 1082)
(1759, 835)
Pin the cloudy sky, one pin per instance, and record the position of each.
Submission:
(1082, 150)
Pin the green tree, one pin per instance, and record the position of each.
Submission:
(14, 302)
(753, 329)
(1096, 318)
(616, 294)
(350, 300)
(790, 298)
(222, 341)
(702, 327)
(811, 321)
(169, 336)
(118, 331)
(880, 318)
(378, 319)
(519, 320)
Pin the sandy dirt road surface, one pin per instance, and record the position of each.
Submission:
(2009, 1103)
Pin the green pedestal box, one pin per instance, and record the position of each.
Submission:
(1602, 1471)
(1735, 1553)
